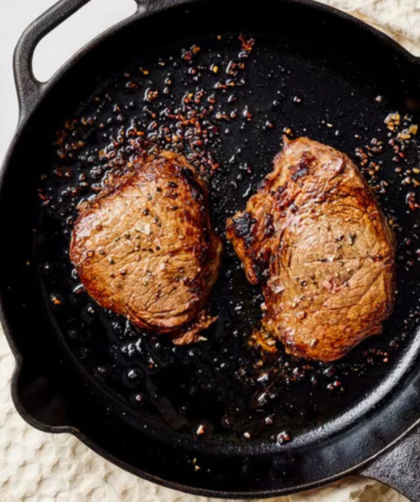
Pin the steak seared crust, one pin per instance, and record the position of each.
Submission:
(147, 250)
(316, 239)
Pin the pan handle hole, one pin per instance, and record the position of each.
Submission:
(91, 20)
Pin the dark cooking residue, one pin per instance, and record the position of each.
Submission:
(187, 126)
(224, 104)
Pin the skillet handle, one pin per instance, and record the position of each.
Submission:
(29, 89)
(399, 467)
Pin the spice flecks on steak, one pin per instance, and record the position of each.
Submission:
(316, 239)
(147, 250)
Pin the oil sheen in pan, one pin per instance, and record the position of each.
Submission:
(225, 102)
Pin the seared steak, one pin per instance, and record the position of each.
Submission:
(316, 239)
(147, 250)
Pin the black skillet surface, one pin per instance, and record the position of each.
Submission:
(207, 418)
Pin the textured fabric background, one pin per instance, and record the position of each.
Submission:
(38, 467)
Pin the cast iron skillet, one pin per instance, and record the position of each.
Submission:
(377, 434)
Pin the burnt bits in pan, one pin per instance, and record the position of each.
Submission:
(224, 102)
